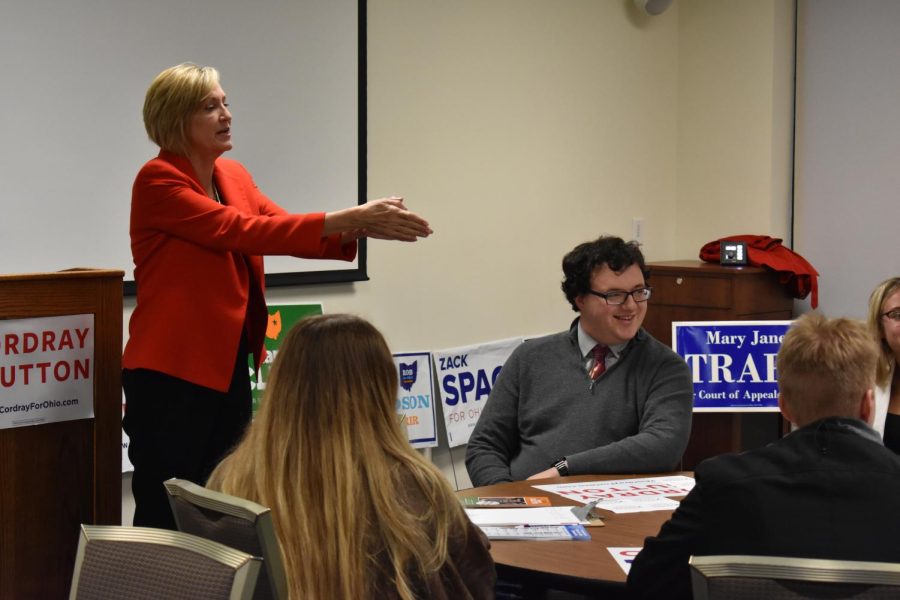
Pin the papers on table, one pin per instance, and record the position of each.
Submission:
(573, 533)
(545, 523)
(505, 501)
(627, 495)
(550, 515)
(634, 505)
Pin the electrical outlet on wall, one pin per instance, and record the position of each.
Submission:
(637, 230)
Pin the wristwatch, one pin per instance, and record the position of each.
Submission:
(562, 466)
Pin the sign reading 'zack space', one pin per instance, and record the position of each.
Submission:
(46, 370)
(466, 376)
(732, 363)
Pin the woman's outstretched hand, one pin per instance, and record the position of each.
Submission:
(382, 219)
(389, 219)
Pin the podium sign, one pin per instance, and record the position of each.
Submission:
(46, 370)
(732, 363)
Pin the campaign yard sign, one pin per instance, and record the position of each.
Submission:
(466, 376)
(46, 370)
(732, 363)
(415, 398)
(281, 318)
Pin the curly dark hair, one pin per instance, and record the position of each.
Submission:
(579, 264)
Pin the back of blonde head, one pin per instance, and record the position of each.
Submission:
(327, 455)
(886, 358)
(825, 366)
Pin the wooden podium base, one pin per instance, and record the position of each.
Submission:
(55, 476)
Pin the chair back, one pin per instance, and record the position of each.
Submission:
(736, 577)
(141, 563)
(235, 522)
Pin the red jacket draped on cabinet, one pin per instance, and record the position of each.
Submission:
(794, 271)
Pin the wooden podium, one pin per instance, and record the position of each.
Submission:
(56, 476)
(691, 290)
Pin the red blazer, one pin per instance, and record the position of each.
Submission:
(198, 265)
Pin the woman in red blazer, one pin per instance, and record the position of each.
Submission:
(199, 229)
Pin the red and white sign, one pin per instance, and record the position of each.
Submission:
(588, 491)
(46, 370)
(624, 557)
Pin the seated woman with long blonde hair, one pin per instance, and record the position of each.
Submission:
(358, 512)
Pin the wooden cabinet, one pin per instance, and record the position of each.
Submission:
(692, 290)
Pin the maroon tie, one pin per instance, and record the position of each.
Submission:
(600, 351)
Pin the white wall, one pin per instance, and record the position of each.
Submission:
(735, 103)
(520, 128)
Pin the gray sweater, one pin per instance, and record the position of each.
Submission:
(636, 418)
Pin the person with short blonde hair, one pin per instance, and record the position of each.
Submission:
(200, 228)
(826, 490)
(171, 99)
(358, 512)
(884, 324)
(831, 361)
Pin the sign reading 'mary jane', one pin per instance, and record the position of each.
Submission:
(732, 363)
(46, 370)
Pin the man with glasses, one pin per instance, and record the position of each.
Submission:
(602, 397)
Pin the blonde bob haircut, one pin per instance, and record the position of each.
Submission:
(825, 366)
(886, 358)
(355, 507)
(170, 101)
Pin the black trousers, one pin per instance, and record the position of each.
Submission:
(179, 429)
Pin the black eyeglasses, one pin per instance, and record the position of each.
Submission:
(616, 298)
(893, 315)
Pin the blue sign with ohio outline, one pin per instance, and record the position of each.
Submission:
(732, 363)
(415, 398)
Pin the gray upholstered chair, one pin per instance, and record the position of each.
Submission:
(235, 522)
(141, 563)
(779, 578)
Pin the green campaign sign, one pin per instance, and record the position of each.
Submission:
(281, 318)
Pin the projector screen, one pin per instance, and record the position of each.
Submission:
(847, 148)
(74, 79)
